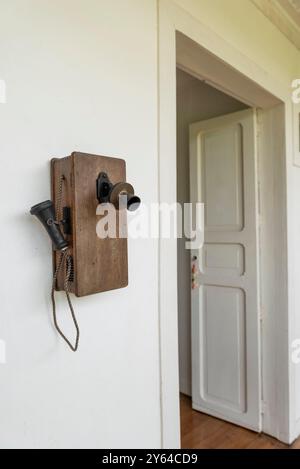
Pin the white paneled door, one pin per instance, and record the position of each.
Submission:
(225, 291)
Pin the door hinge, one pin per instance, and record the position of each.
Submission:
(261, 315)
(263, 406)
(259, 201)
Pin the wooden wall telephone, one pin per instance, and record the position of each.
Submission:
(83, 263)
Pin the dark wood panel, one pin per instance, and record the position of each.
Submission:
(62, 166)
(99, 264)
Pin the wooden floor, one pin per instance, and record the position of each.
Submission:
(200, 431)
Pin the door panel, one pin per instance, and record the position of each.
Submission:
(226, 259)
(222, 329)
(225, 305)
(223, 209)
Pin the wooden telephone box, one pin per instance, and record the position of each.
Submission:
(98, 264)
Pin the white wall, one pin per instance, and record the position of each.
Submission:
(195, 101)
(83, 75)
(80, 75)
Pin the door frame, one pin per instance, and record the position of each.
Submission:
(188, 44)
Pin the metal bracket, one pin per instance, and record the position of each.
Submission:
(66, 221)
(103, 188)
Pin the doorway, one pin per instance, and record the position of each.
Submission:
(204, 55)
(196, 101)
(218, 284)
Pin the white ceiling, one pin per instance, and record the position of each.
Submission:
(292, 9)
(285, 14)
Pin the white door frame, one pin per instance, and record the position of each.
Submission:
(203, 53)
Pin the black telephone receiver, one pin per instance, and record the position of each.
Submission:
(45, 212)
